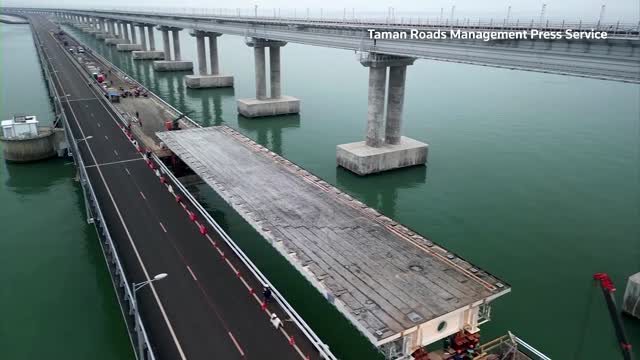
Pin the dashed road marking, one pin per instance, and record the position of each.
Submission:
(115, 152)
(192, 274)
(127, 170)
(163, 228)
(236, 343)
(141, 194)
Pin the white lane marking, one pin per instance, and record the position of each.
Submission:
(237, 345)
(127, 170)
(126, 229)
(84, 99)
(163, 228)
(141, 194)
(98, 124)
(106, 137)
(114, 162)
(115, 152)
(192, 274)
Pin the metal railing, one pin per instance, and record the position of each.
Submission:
(91, 200)
(315, 340)
(369, 17)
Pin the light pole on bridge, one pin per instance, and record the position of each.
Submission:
(136, 315)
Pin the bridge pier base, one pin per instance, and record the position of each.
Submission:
(204, 79)
(128, 47)
(384, 148)
(277, 104)
(115, 41)
(177, 64)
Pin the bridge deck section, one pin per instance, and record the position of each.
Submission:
(381, 275)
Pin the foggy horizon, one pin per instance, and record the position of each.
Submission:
(587, 10)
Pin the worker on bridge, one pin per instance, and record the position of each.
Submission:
(266, 292)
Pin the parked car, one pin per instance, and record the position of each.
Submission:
(80, 50)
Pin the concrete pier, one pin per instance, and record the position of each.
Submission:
(148, 53)
(384, 147)
(152, 41)
(134, 39)
(143, 37)
(631, 300)
(131, 44)
(48, 143)
(177, 64)
(276, 104)
(205, 79)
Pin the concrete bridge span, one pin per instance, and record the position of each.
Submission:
(615, 58)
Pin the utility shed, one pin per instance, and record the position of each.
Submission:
(397, 287)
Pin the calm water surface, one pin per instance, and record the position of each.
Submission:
(533, 177)
(55, 292)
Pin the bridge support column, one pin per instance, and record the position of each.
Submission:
(152, 40)
(134, 39)
(133, 46)
(143, 36)
(260, 69)
(206, 79)
(276, 104)
(166, 46)
(177, 64)
(104, 31)
(121, 38)
(151, 53)
(395, 103)
(176, 45)
(384, 148)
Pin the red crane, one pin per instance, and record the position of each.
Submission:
(607, 290)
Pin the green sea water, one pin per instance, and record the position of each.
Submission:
(56, 297)
(533, 177)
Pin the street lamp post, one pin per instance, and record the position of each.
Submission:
(136, 315)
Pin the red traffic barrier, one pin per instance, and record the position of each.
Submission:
(263, 305)
(238, 273)
(152, 166)
(192, 216)
(162, 179)
(203, 230)
(251, 291)
(178, 198)
(291, 342)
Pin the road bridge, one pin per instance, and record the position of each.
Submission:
(385, 148)
(208, 306)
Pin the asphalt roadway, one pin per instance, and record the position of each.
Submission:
(202, 310)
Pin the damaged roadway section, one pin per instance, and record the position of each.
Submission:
(385, 278)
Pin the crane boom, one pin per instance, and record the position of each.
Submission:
(607, 290)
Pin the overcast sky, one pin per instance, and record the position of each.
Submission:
(589, 10)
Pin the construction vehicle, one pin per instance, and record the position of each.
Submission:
(608, 290)
(175, 123)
